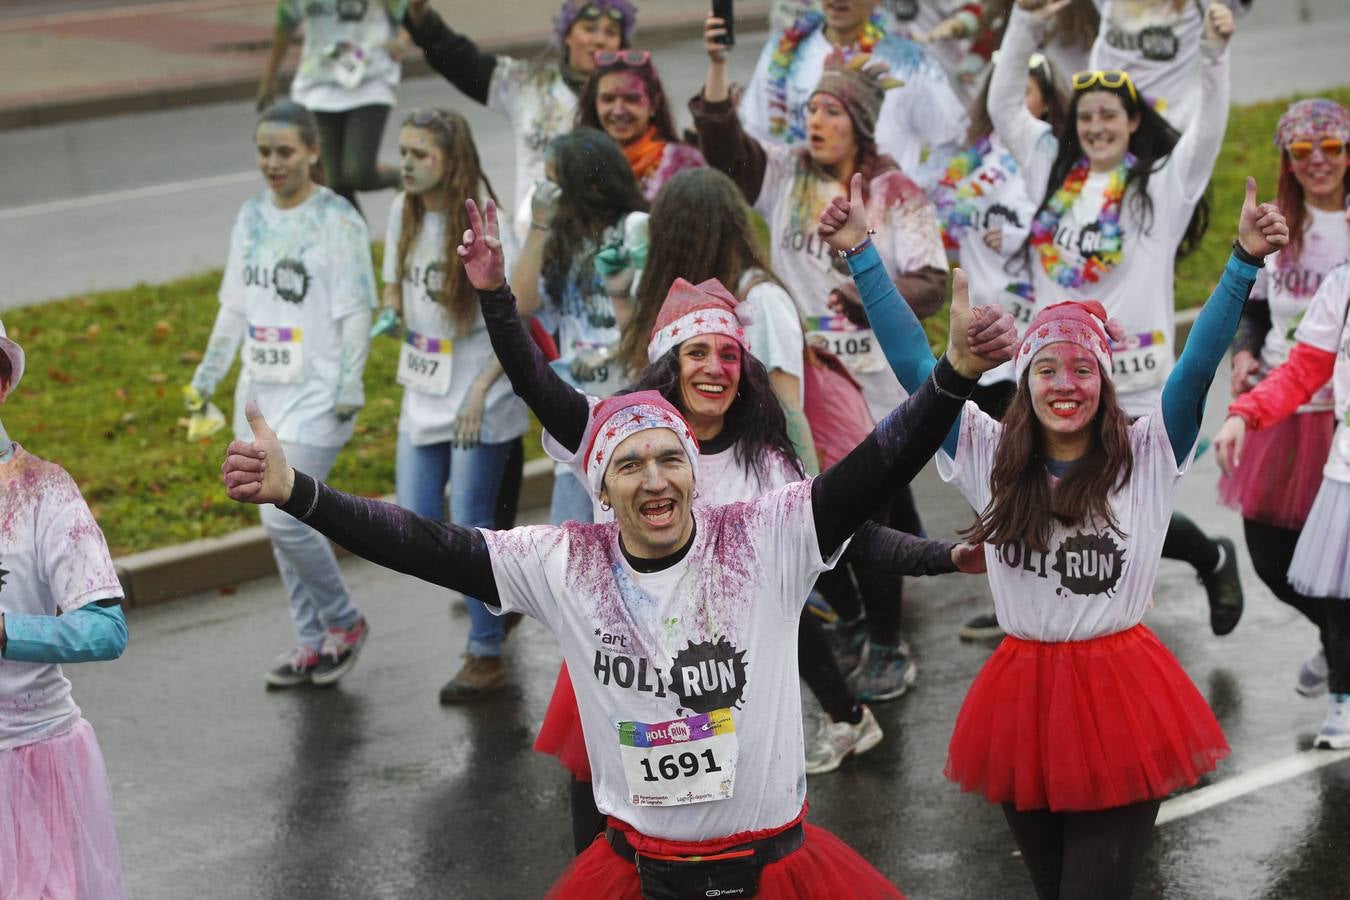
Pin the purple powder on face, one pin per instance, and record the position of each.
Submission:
(571, 10)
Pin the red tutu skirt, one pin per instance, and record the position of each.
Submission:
(823, 866)
(561, 734)
(1082, 725)
(1281, 470)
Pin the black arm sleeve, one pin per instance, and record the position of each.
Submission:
(389, 535)
(844, 495)
(1253, 327)
(898, 552)
(561, 408)
(454, 56)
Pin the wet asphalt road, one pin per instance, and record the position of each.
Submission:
(372, 790)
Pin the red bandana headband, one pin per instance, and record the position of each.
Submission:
(1080, 322)
(690, 310)
(623, 415)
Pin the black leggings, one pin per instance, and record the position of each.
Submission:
(349, 143)
(820, 670)
(1092, 855)
(1186, 542)
(587, 821)
(858, 586)
(1272, 549)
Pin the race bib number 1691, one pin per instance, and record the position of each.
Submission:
(682, 761)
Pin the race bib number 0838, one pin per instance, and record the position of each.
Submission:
(681, 761)
(274, 354)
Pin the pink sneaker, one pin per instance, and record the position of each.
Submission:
(338, 653)
(293, 668)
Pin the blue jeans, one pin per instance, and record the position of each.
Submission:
(571, 500)
(309, 570)
(475, 477)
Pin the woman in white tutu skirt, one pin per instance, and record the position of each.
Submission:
(1320, 568)
(56, 827)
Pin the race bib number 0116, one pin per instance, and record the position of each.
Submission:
(856, 347)
(1139, 362)
(274, 354)
(679, 762)
(424, 364)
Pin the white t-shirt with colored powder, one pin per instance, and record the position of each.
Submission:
(1158, 43)
(923, 114)
(991, 196)
(428, 413)
(540, 106)
(774, 329)
(1092, 581)
(1289, 284)
(714, 635)
(344, 63)
(1324, 327)
(53, 559)
(294, 274)
(791, 199)
(1139, 290)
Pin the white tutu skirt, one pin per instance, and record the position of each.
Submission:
(1321, 563)
(56, 825)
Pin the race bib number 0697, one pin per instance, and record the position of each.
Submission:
(682, 761)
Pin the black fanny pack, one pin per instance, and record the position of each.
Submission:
(733, 872)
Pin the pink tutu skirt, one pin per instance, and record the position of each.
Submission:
(56, 825)
(1281, 470)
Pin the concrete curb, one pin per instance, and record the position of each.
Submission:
(753, 15)
(168, 573)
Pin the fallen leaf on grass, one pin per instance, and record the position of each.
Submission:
(157, 378)
(191, 357)
(57, 375)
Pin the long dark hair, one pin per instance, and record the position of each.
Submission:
(598, 190)
(1023, 506)
(1152, 143)
(699, 229)
(463, 177)
(288, 112)
(755, 416)
(588, 117)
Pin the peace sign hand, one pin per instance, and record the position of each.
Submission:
(481, 248)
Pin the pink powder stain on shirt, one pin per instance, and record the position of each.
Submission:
(29, 481)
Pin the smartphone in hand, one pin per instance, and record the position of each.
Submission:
(722, 9)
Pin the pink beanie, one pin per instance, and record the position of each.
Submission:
(616, 418)
(1081, 322)
(693, 309)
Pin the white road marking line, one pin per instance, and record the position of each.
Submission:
(140, 193)
(1254, 780)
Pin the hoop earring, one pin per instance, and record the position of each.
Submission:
(605, 507)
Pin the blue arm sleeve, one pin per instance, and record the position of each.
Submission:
(897, 328)
(1183, 397)
(88, 634)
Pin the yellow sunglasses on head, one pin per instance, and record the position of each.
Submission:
(1111, 79)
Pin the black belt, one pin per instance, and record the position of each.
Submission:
(767, 850)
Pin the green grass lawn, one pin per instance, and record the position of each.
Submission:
(101, 394)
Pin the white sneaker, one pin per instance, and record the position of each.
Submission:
(839, 740)
(1335, 733)
(1312, 675)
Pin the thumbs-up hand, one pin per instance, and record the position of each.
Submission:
(843, 224)
(256, 471)
(1262, 228)
(978, 339)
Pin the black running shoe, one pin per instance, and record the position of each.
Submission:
(1225, 591)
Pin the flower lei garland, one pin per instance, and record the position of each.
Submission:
(781, 124)
(955, 213)
(1109, 252)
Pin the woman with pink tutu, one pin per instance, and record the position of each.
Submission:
(60, 602)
